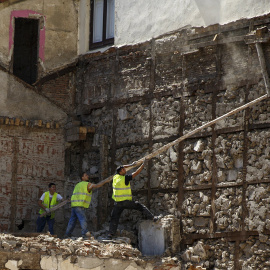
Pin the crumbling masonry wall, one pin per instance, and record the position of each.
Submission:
(32, 156)
(143, 96)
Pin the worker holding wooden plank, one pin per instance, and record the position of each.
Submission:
(80, 201)
(48, 200)
(122, 197)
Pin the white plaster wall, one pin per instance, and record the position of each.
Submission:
(140, 20)
(61, 30)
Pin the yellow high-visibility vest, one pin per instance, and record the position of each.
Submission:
(81, 197)
(46, 203)
(121, 191)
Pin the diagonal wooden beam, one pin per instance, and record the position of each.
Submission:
(191, 133)
(263, 67)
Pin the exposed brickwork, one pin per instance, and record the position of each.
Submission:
(30, 159)
(28, 123)
(59, 87)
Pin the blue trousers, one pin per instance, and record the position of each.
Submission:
(41, 222)
(77, 213)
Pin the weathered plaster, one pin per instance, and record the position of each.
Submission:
(19, 101)
(28, 14)
(166, 16)
(61, 30)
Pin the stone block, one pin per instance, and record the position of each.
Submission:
(151, 238)
(156, 237)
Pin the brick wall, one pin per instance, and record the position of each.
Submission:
(30, 159)
(59, 88)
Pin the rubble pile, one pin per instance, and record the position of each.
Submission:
(49, 253)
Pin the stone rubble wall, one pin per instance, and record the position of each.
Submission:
(211, 254)
(144, 96)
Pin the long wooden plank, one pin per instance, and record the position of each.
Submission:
(61, 204)
(189, 134)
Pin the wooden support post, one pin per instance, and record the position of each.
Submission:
(263, 67)
(103, 192)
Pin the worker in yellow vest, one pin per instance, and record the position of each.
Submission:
(122, 197)
(80, 201)
(46, 202)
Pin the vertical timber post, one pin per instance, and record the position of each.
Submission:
(103, 192)
(214, 137)
(150, 140)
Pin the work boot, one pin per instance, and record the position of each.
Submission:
(86, 236)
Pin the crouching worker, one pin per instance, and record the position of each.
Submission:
(48, 200)
(122, 197)
(80, 201)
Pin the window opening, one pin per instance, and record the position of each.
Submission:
(25, 55)
(102, 23)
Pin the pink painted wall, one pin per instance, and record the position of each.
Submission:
(26, 14)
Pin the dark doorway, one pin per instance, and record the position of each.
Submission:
(26, 49)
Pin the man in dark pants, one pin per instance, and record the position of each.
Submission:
(123, 197)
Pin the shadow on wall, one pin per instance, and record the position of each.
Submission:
(210, 10)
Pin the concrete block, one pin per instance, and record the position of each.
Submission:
(115, 264)
(156, 237)
(89, 263)
(13, 265)
(151, 238)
